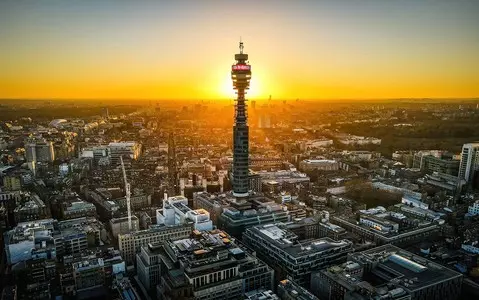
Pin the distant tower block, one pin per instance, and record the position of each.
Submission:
(241, 76)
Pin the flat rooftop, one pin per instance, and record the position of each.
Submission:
(387, 234)
(288, 241)
(319, 161)
(410, 271)
(123, 219)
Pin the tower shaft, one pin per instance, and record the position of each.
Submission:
(241, 76)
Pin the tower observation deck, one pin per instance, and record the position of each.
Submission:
(241, 76)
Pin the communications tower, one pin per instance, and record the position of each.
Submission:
(241, 76)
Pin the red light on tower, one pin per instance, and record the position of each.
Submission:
(241, 67)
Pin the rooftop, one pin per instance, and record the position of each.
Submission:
(295, 290)
(288, 241)
(319, 161)
(261, 294)
(403, 268)
(123, 219)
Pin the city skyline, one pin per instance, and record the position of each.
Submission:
(305, 49)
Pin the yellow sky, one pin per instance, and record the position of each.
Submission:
(306, 49)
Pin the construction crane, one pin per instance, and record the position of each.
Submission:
(127, 194)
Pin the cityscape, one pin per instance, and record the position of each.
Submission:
(197, 191)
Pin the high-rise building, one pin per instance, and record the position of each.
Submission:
(469, 166)
(39, 151)
(148, 264)
(264, 121)
(241, 76)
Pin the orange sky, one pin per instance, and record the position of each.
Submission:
(183, 50)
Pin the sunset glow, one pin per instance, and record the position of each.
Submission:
(184, 50)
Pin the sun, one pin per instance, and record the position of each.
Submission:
(228, 92)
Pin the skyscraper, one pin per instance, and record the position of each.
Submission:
(241, 76)
(469, 163)
(39, 151)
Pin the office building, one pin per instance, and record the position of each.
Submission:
(209, 265)
(261, 294)
(381, 227)
(284, 177)
(280, 248)
(234, 214)
(126, 291)
(289, 290)
(136, 201)
(387, 272)
(129, 244)
(96, 153)
(469, 165)
(308, 165)
(90, 271)
(176, 211)
(32, 209)
(49, 238)
(39, 151)
(36, 285)
(78, 235)
(148, 263)
(72, 208)
(94, 272)
(235, 221)
(120, 225)
(213, 203)
(21, 242)
(130, 150)
(12, 183)
(431, 164)
(473, 210)
(447, 183)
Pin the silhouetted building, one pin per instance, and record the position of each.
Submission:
(241, 75)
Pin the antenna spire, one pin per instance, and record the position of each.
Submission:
(241, 46)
